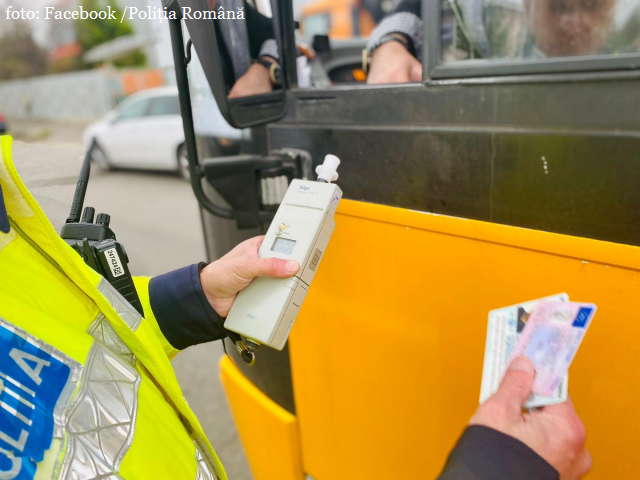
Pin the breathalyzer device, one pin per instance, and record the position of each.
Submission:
(265, 311)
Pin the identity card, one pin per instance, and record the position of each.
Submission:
(551, 339)
(503, 332)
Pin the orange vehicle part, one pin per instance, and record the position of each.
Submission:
(343, 15)
(387, 352)
(268, 432)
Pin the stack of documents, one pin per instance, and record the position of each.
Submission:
(548, 331)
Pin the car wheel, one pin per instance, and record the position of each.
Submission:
(98, 156)
(183, 161)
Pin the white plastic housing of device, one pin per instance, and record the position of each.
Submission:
(265, 311)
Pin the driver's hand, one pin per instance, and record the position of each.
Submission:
(392, 63)
(554, 432)
(255, 81)
(224, 278)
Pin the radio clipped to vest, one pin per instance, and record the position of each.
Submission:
(96, 243)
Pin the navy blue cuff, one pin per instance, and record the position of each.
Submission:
(483, 453)
(184, 314)
(4, 218)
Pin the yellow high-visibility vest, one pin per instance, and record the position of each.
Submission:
(86, 386)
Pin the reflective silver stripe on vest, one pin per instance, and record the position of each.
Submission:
(203, 472)
(123, 308)
(101, 420)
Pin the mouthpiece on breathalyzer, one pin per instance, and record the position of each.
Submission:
(327, 172)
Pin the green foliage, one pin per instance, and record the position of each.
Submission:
(93, 32)
(135, 59)
(21, 56)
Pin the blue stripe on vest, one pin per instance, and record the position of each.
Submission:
(31, 381)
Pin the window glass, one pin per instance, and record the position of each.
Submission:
(347, 42)
(538, 29)
(134, 110)
(164, 106)
(313, 25)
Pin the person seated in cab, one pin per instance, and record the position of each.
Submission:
(248, 50)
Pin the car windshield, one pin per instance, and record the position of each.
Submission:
(168, 105)
(137, 108)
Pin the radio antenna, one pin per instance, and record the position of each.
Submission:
(81, 190)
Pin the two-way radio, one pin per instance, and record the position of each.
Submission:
(96, 243)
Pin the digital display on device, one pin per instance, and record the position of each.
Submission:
(283, 245)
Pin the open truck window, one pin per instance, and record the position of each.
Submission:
(342, 38)
(332, 35)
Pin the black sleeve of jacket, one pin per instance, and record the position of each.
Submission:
(410, 6)
(184, 314)
(260, 28)
(483, 453)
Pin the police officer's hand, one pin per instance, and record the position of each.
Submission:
(255, 81)
(392, 63)
(554, 432)
(224, 278)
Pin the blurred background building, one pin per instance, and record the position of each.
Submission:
(78, 70)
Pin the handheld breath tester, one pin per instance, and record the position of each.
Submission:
(265, 311)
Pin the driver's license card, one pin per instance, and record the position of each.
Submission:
(503, 332)
(551, 339)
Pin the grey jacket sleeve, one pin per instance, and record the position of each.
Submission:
(407, 24)
(270, 48)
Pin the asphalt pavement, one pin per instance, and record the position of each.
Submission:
(156, 217)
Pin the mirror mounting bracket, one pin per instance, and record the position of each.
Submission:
(184, 97)
(187, 59)
(253, 185)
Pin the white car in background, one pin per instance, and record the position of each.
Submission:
(143, 132)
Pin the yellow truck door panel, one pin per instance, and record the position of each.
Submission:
(388, 350)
